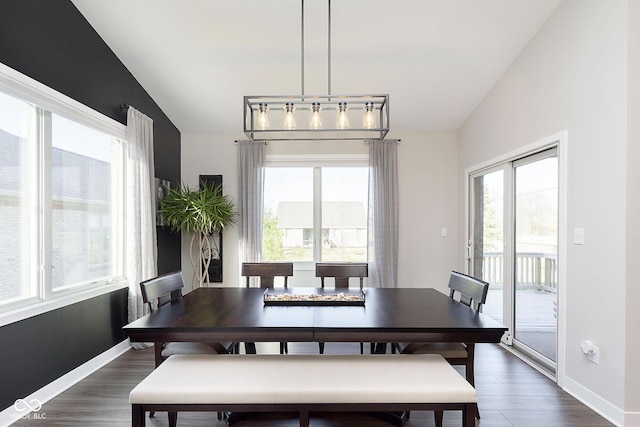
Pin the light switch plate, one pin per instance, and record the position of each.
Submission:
(578, 236)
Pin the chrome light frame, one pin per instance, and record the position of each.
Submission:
(329, 104)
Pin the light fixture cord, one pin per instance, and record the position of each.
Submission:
(329, 49)
(302, 48)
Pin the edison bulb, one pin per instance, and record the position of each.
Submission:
(315, 122)
(289, 116)
(369, 116)
(342, 121)
(263, 116)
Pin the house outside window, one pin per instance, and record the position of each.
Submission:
(315, 213)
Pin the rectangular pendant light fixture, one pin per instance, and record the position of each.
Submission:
(316, 117)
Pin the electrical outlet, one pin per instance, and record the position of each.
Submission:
(594, 355)
(591, 351)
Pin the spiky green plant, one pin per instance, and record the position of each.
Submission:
(202, 212)
(197, 210)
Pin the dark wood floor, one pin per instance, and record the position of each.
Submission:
(511, 394)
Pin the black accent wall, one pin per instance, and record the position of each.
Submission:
(51, 42)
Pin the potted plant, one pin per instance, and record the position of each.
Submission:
(203, 212)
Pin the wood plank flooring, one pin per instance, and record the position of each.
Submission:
(511, 394)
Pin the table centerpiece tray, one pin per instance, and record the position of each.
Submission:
(316, 297)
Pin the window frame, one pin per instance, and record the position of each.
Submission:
(317, 162)
(47, 101)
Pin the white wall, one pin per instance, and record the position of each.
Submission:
(572, 76)
(632, 375)
(428, 198)
(428, 186)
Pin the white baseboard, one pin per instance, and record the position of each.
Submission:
(28, 406)
(604, 408)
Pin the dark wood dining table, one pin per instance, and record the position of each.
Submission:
(387, 315)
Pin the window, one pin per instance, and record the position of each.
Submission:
(344, 213)
(83, 163)
(61, 196)
(315, 213)
(14, 250)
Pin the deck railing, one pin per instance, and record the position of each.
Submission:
(537, 270)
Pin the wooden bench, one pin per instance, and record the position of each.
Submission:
(303, 384)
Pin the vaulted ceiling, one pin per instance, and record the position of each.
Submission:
(436, 59)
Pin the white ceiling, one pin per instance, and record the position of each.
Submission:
(436, 59)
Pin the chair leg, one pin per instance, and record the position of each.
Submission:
(361, 348)
(284, 348)
(321, 347)
(438, 415)
(379, 348)
(250, 347)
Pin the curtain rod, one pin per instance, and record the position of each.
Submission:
(235, 141)
(390, 139)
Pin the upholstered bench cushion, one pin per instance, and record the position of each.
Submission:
(303, 379)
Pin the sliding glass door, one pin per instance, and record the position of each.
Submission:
(486, 248)
(513, 244)
(536, 248)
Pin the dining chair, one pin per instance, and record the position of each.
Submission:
(341, 272)
(266, 272)
(472, 292)
(165, 289)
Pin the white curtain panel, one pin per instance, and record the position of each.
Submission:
(140, 231)
(251, 155)
(383, 213)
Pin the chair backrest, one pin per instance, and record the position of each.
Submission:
(267, 271)
(163, 289)
(342, 271)
(472, 292)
